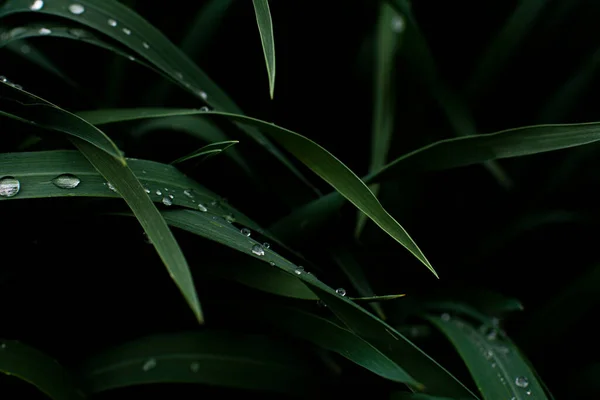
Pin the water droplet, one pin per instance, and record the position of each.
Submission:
(194, 367)
(44, 31)
(503, 349)
(267, 245)
(204, 109)
(111, 187)
(171, 196)
(272, 263)
(126, 31)
(398, 24)
(131, 58)
(158, 192)
(445, 317)
(258, 250)
(148, 365)
(493, 365)
(528, 392)
(66, 181)
(299, 270)
(17, 86)
(488, 354)
(188, 193)
(341, 291)
(203, 95)
(167, 201)
(37, 5)
(246, 232)
(230, 218)
(147, 190)
(146, 45)
(76, 9)
(3, 79)
(492, 335)
(112, 22)
(9, 186)
(78, 33)
(202, 207)
(522, 382)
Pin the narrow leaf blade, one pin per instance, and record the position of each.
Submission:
(265, 27)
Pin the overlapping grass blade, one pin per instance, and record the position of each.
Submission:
(216, 358)
(204, 27)
(415, 396)
(424, 65)
(129, 29)
(265, 28)
(389, 27)
(507, 41)
(498, 368)
(207, 151)
(323, 163)
(385, 338)
(38, 369)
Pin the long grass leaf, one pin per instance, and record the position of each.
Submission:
(323, 163)
(498, 368)
(265, 28)
(218, 358)
(38, 369)
(207, 151)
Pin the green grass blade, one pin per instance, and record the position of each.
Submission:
(389, 26)
(517, 142)
(372, 329)
(354, 272)
(323, 163)
(26, 107)
(415, 396)
(217, 358)
(507, 41)
(204, 27)
(498, 368)
(132, 191)
(125, 26)
(207, 151)
(38, 369)
(265, 28)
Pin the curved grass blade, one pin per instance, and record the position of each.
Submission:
(503, 46)
(415, 396)
(323, 163)
(218, 358)
(330, 336)
(125, 26)
(265, 28)
(38, 369)
(207, 151)
(389, 341)
(498, 368)
(389, 27)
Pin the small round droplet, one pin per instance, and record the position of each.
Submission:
(111, 187)
(167, 201)
(66, 181)
(258, 250)
(299, 270)
(145, 45)
(445, 317)
(246, 232)
(171, 196)
(272, 263)
(230, 218)
(76, 9)
(44, 31)
(203, 95)
(112, 22)
(202, 207)
(267, 245)
(204, 109)
(9, 186)
(522, 382)
(492, 335)
(528, 392)
(488, 354)
(36, 5)
(3, 79)
(194, 367)
(158, 192)
(147, 190)
(149, 364)
(131, 58)
(126, 31)
(341, 291)
(188, 193)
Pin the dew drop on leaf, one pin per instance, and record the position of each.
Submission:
(258, 250)
(9, 186)
(112, 22)
(76, 9)
(167, 201)
(202, 207)
(66, 181)
(299, 270)
(36, 5)
(522, 381)
(158, 192)
(266, 245)
(126, 31)
(341, 291)
(188, 193)
(149, 364)
(44, 31)
(145, 45)
(246, 232)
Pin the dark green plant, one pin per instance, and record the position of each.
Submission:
(287, 293)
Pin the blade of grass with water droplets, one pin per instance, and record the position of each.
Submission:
(323, 163)
(38, 369)
(221, 358)
(207, 151)
(389, 28)
(131, 30)
(265, 28)
(498, 368)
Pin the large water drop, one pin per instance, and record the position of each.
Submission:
(9, 186)
(66, 181)
(76, 9)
